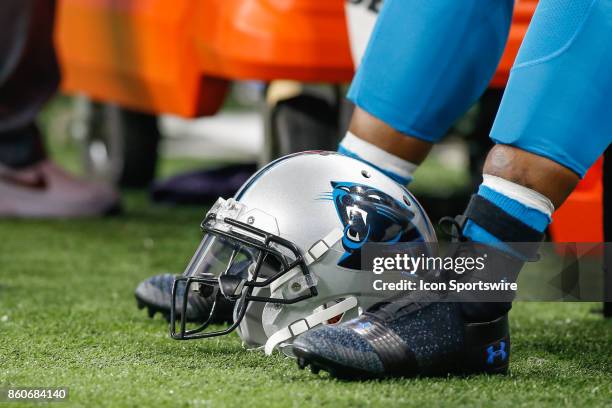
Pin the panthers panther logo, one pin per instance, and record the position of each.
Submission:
(369, 215)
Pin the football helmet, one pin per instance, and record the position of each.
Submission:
(287, 247)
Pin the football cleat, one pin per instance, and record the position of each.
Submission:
(403, 339)
(426, 334)
(155, 294)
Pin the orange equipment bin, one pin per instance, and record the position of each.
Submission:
(163, 56)
(303, 40)
(136, 53)
(580, 218)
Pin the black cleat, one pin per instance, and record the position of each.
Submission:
(433, 334)
(420, 340)
(155, 294)
(301, 363)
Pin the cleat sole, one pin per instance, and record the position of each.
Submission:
(318, 364)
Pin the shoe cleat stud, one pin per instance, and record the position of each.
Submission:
(301, 363)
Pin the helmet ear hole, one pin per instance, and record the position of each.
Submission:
(338, 318)
(366, 174)
(335, 319)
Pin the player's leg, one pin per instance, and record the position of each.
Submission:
(371, 140)
(30, 184)
(553, 124)
(554, 120)
(425, 64)
(557, 101)
(29, 76)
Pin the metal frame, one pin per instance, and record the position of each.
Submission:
(242, 301)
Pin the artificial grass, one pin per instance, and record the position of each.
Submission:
(68, 318)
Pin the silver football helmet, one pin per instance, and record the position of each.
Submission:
(287, 248)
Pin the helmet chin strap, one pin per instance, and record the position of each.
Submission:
(315, 252)
(307, 323)
(322, 246)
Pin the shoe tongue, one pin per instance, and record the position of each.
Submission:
(376, 307)
(390, 308)
(400, 305)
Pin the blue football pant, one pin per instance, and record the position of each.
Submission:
(428, 61)
(558, 101)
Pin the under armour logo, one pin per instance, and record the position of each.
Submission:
(501, 353)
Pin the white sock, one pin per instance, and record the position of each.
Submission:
(395, 167)
(522, 194)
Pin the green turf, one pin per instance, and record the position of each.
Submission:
(68, 318)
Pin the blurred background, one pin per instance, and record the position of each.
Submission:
(154, 89)
(235, 136)
(151, 89)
